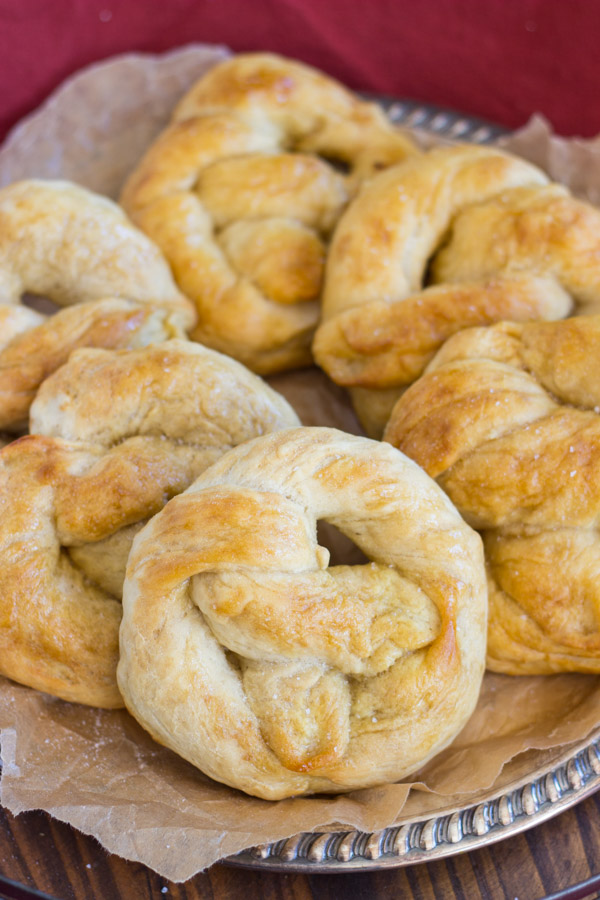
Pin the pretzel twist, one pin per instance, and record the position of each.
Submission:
(72, 246)
(64, 242)
(32, 346)
(245, 653)
(239, 194)
(507, 421)
(497, 240)
(117, 433)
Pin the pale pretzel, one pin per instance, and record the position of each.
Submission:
(383, 323)
(239, 194)
(243, 652)
(66, 243)
(32, 346)
(507, 421)
(117, 434)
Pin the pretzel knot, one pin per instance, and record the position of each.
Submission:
(243, 652)
(33, 346)
(117, 434)
(507, 422)
(240, 194)
(458, 237)
(67, 244)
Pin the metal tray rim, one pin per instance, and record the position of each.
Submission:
(492, 817)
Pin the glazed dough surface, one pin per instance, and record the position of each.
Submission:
(32, 346)
(243, 190)
(243, 651)
(507, 419)
(69, 244)
(65, 244)
(459, 237)
(116, 434)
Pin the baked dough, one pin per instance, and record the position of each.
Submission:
(243, 652)
(507, 421)
(32, 346)
(116, 433)
(240, 194)
(66, 243)
(72, 246)
(497, 241)
(543, 230)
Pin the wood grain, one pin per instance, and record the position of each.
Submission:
(44, 854)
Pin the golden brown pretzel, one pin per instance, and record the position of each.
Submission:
(542, 230)
(381, 327)
(239, 194)
(117, 434)
(245, 653)
(71, 246)
(507, 421)
(32, 346)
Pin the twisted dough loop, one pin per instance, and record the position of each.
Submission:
(519, 249)
(543, 230)
(240, 196)
(117, 434)
(70, 245)
(269, 671)
(33, 346)
(507, 422)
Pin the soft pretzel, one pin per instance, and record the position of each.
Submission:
(243, 652)
(507, 421)
(66, 243)
(116, 434)
(519, 249)
(543, 230)
(240, 195)
(32, 346)
(72, 246)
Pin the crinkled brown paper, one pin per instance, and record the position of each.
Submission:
(98, 770)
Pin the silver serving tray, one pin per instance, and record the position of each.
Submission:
(493, 815)
(439, 121)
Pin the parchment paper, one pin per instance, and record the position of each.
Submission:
(97, 769)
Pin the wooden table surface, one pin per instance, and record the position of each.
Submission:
(41, 853)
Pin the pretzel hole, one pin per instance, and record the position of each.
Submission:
(337, 164)
(442, 242)
(40, 304)
(342, 549)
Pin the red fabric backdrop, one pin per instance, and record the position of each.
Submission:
(499, 59)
